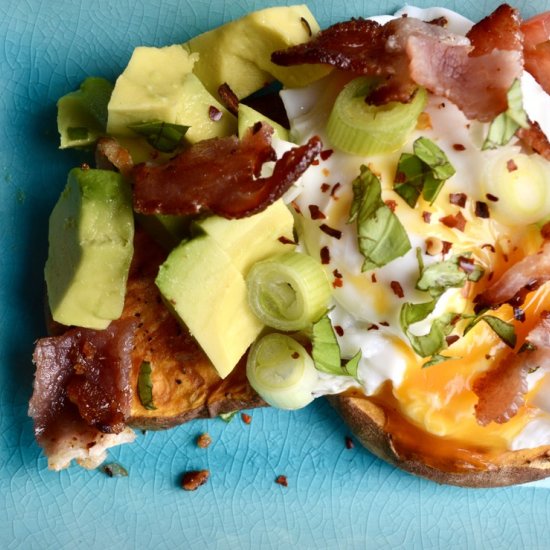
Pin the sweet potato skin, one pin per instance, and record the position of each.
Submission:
(367, 420)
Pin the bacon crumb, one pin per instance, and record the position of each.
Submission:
(325, 255)
(316, 213)
(335, 188)
(459, 147)
(373, 327)
(246, 418)
(458, 199)
(456, 221)
(482, 210)
(330, 231)
(339, 330)
(229, 98)
(337, 274)
(385, 323)
(397, 289)
(349, 442)
(338, 283)
(511, 166)
(452, 339)
(325, 187)
(282, 480)
(214, 113)
(285, 240)
(295, 355)
(391, 204)
(545, 231)
(326, 154)
(426, 216)
(204, 440)
(193, 479)
(446, 247)
(315, 162)
(491, 197)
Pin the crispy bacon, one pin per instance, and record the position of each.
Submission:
(407, 52)
(220, 176)
(537, 48)
(535, 138)
(501, 390)
(87, 368)
(523, 277)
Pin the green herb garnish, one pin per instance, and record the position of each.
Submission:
(505, 331)
(114, 470)
(163, 136)
(381, 236)
(228, 417)
(422, 173)
(326, 351)
(145, 386)
(505, 125)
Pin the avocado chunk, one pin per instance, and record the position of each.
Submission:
(239, 53)
(82, 114)
(208, 293)
(168, 230)
(203, 280)
(248, 116)
(249, 240)
(90, 248)
(158, 85)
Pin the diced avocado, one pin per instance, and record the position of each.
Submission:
(201, 284)
(249, 116)
(249, 240)
(166, 229)
(90, 248)
(239, 53)
(158, 85)
(82, 114)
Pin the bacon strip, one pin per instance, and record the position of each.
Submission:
(220, 176)
(537, 48)
(81, 386)
(475, 72)
(523, 277)
(501, 390)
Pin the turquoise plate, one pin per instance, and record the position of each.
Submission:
(336, 497)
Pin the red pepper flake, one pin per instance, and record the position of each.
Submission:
(489, 246)
(452, 339)
(325, 255)
(229, 98)
(519, 314)
(456, 221)
(446, 247)
(459, 147)
(482, 210)
(466, 264)
(349, 442)
(285, 240)
(330, 231)
(315, 162)
(458, 199)
(391, 204)
(337, 274)
(192, 480)
(325, 187)
(373, 327)
(373, 278)
(511, 166)
(397, 289)
(335, 188)
(214, 113)
(282, 480)
(426, 216)
(326, 154)
(316, 213)
(338, 283)
(339, 330)
(385, 324)
(491, 197)
(246, 418)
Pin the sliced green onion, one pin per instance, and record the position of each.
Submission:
(281, 371)
(521, 184)
(145, 386)
(163, 136)
(288, 292)
(358, 128)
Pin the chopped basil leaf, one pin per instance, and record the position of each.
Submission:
(435, 360)
(505, 125)
(114, 470)
(228, 417)
(163, 136)
(326, 351)
(381, 236)
(505, 331)
(145, 386)
(422, 173)
(440, 276)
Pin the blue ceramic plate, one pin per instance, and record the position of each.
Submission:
(336, 497)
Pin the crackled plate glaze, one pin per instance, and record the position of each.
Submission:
(336, 497)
